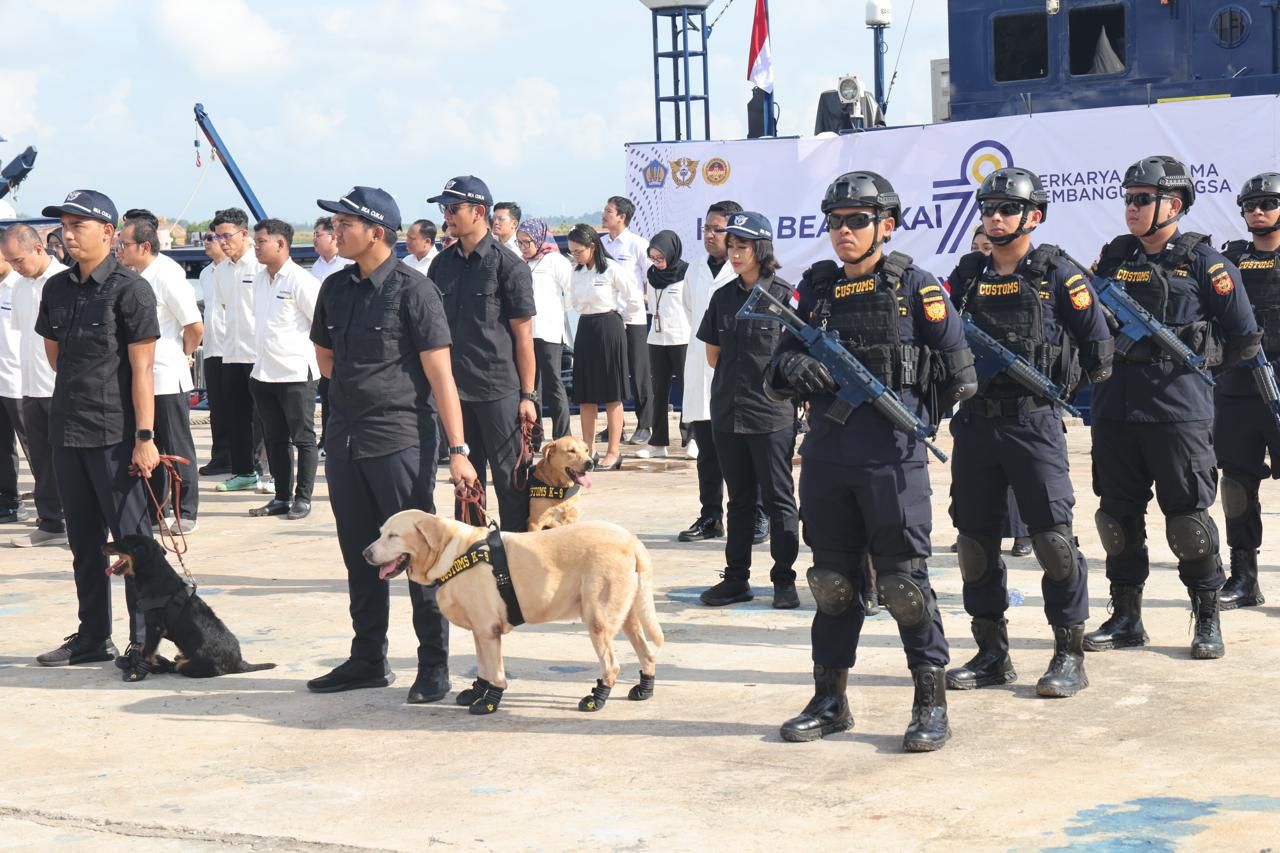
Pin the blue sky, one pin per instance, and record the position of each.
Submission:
(537, 98)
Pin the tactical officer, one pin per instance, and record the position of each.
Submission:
(864, 487)
(381, 338)
(1153, 420)
(100, 326)
(1244, 431)
(1040, 306)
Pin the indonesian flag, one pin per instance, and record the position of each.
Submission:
(760, 61)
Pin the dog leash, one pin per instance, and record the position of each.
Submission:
(527, 435)
(469, 506)
(178, 543)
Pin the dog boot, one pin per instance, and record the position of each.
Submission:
(488, 700)
(643, 690)
(472, 693)
(599, 695)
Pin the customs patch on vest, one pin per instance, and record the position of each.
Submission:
(1268, 264)
(853, 288)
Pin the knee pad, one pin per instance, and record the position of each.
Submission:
(1192, 536)
(977, 554)
(1056, 551)
(1115, 541)
(833, 590)
(1236, 498)
(905, 600)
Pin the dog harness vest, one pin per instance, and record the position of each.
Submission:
(539, 489)
(490, 551)
(173, 604)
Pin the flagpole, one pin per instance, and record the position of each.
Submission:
(768, 96)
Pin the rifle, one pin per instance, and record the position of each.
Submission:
(1136, 323)
(993, 358)
(1264, 376)
(857, 384)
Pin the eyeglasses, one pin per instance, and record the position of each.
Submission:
(1142, 199)
(452, 209)
(209, 238)
(709, 229)
(1003, 208)
(222, 238)
(1267, 204)
(852, 221)
(579, 251)
(520, 242)
(124, 243)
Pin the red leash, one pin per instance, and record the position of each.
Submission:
(178, 543)
(469, 505)
(528, 435)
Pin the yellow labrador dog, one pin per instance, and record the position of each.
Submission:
(595, 571)
(556, 479)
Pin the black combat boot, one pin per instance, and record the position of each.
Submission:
(929, 728)
(991, 665)
(828, 710)
(1207, 642)
(1124, 627)
(1242, 588)
(1065, 675)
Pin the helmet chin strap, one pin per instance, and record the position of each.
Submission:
(1156, 224)
(1263, 230)
(876, 242)
(1014, 235)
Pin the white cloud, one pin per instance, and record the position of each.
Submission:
(19, 97)
(224, 40)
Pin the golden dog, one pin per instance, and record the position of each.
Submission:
(594, 571)
(564, 465)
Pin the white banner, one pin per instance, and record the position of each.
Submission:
(1080, 156)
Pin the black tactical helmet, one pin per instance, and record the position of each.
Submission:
(863, 189)
(1164, 173)
(1259, 186)
(1017, 185)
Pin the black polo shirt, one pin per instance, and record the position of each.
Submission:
(482, 293)
(94, 322)
(379, 397)
(738, 402)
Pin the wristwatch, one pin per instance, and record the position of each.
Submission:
(144, 435)
(531, 396)
(460, 450)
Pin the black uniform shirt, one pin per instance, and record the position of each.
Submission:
(738, 401)
(379, 398)
(482, 293)
(1258, 271)
(94, 322)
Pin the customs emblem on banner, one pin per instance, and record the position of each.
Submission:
(683, 171)
(715, 171)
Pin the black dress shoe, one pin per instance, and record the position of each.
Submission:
(1021, 546)
(761, 533)
(75, 650)
(300, 508)
(703, 528)
(353, 674)
(276, 507)
(603, 436)
(214, 469)
(431, 685)
(640, 436)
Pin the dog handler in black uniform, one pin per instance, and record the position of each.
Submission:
(864, 487)
(100, 326)
(1244, 431)
(381, 338)
(1040, 306)
(1153, 419)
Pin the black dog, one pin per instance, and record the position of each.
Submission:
(173, 611)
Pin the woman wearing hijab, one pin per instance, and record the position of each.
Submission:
(603, 293)
(668, 335)
(552, 282)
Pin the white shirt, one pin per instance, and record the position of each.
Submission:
(322, 269)
(234, 282)
(215, 320)
(671, 323)
(631, 251)
(11, 336)
(175, 308)
(513, 245)
(37, 375)
(421, 265)
(698, 287)
(285, 306)
(552, 294)
(597, 292)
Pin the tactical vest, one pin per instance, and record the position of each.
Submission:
(1260, 272)
(867, 324)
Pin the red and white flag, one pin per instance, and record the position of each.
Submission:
(760, 60)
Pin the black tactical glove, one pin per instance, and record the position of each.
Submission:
(805, 374)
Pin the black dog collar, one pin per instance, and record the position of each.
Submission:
(539, 489)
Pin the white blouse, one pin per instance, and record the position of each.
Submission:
(600, 292)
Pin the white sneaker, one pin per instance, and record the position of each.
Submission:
(37, 538)
(156, 524)
(266, 486)
(691, 449)
(183, 526)
(651, 452)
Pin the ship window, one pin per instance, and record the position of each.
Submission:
(1097, 39)
(1231, 26)
(1021, 46)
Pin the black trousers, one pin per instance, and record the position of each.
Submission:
(238, 404)
(490, 431)
(35, 415)
(323, 390)
(220, 452)
(101, 498)
(288, 414)
(551, 387)
(760, 464)
(710, 480)
(638, 366)
(364, 493)
(173, 435)
(664, 362)
(1244, 437)
(11, 435)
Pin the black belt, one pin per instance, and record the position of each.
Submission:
(984, 407)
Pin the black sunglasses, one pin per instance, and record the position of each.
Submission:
(1142, 199)
(1004, 208)
(853, 221)
(1266, 204)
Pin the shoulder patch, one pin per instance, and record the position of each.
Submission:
(930, 288)
(1222, 283)
(1081, 298)
(935, 310)
(1072, 280)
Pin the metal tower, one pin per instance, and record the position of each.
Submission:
(687, 21)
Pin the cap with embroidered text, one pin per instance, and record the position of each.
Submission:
(464, 189)
(90, 204)
(372, 204)
(748, 225)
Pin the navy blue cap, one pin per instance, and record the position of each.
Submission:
(749, 225)
(373, 205)
(90, 204)
(464, 189)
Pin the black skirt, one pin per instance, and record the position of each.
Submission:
(600, 359)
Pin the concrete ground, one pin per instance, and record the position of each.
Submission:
(1161, 752)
